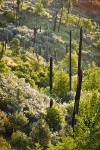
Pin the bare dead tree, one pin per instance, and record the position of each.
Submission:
(70, 63)
(55, 21)
(51, 66)
(35, 32)
(51, 102)
(79, 83)
(66, 48)
(3, 49)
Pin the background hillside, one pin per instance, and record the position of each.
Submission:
(38, 81)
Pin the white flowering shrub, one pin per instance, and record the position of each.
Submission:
(17, 93)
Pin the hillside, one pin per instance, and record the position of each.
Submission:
(55, 41)
(49, 75)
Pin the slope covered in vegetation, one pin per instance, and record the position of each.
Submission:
(37, 96)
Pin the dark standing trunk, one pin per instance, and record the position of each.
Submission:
(51, 60)
(35, 32)
(55, 21)
(79, 83)
(55, 56)
(2, 35)
(2, 52)
(51, 102)
(60, 19)
(70, 63)
(5, 45)
(66, 48)
(18, 5)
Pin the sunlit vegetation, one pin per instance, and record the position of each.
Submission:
(36, 113)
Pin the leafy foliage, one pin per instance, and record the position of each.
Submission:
(98, 43)
(40, 133)
(3, 67)
(26, 121)
(10, 16)
(86, 135)
(93, 76)
(15, 46)
(65, 63)
(39, 7)
(4, 145)
(54, 117)
(20, 140)
(61, 82)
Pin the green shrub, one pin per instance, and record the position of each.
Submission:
(3, 67)
(1, 1)
(39, 7)
(2, 52)
(2, 127)
(74, 45)
(72, 19)
(20, 140)
(4, 123)
(10, 16)
(98, 44)
(3, 24)
(86, 24)
(15, 46)
(18, 119)
(65, 63)
(61, 83)
(91, 78)
(54, 117)
(18, 60)
(4, 145)
(68, 96)
(65, 143)
(45, 3)
(40, 134)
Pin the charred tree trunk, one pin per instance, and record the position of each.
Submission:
(51, 102)
(79, 83)
(55, 21)
(51, 65)
(3, 49)
(55, 56)
(5, 45)
(70, 63)
(35, 32)
(66, 48)
(18, 5)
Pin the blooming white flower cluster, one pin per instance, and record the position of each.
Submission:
(22, 92)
